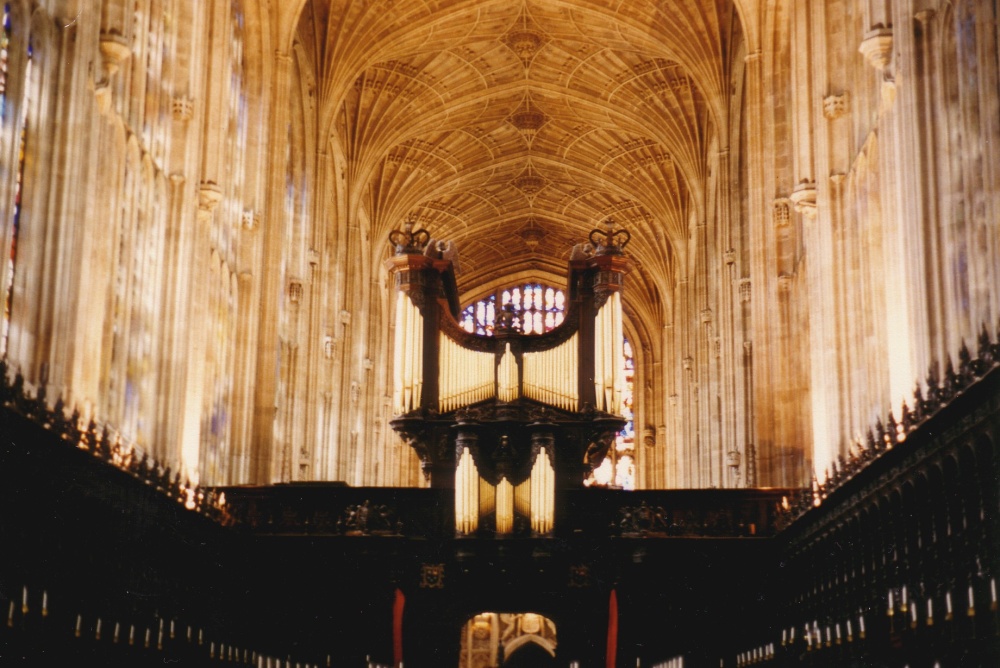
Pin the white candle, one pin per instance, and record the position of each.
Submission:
(131, 634)
(891, 606)
(972, 601)
(118, 627)
(171, 629)
(784, 636)
(24, 600)
(930, 611)
(850, 631)
(45, 603)
(947, 604)
(97, 629)
(837, 629)
(76, 631)
(792, 634)
(904, 599)
(861, 624)
(993, 591)
(147, 636)
(913, 615)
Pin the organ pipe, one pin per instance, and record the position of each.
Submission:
(408, 356)
(505, 506)
(609, 356)
(522, 498)
(507, 376)
(467, 483)
(465, 376)
(550, 376)
(487, 498)
(542, 482)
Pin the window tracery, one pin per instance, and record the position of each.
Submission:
(618, 468)
(536, 309)
(22, 136)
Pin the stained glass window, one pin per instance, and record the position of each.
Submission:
(8, 301)
(4, 43)
(536, 309)
(618, 468)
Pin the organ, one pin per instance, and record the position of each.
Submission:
(510, 420)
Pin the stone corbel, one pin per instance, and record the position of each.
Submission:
(804, 198)
(209, 196)
(114, 50)
(876, 47)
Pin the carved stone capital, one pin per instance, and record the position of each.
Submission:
(209, 196)
(114, 51)
(804, 198)
(876, 47)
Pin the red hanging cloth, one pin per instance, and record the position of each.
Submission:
(397, 628)
(612, 629)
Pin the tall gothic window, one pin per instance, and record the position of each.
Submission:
(618, 468)
(8, 301)
(537, 309)
(4, 43)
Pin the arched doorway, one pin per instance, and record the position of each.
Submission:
(529, 654)
(491, 640)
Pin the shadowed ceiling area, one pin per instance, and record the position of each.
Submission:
(502, 124)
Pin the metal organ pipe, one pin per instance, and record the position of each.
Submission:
(550, 376)
(505, 506)
(507, 376)
(467, 483)
(465, 376)
(609, 355)
(408, 355)
(542, 493)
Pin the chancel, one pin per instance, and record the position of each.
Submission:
(489, 333)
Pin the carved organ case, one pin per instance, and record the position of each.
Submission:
(511, 420)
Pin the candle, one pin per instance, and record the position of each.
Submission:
(24, 600)
(913, 617)
(837, 629)
(10, 615)
(97, 629)
(159, 639)
(903, 605)
(993, 594)
(972, 602)
(861, 625)
(147, 637)
(930, 611)
(891, 606)
(79, 621)
(850, 631)
(792, 634)
(947, 606)
(827, 636)
(45, 603)
(131, 634)
(117, 630)
(784, 637)
(211, 649)
(808, 637)
(171, 629)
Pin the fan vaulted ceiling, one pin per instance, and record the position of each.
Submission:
(499, 124)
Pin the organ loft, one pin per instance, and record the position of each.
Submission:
(511, 419)
(498, 333)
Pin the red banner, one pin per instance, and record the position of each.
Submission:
(612, 629)
(397, 628)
